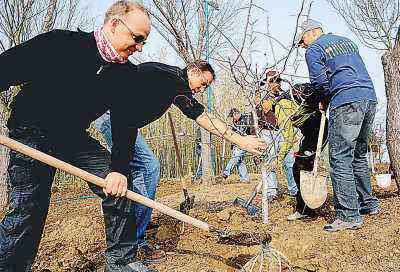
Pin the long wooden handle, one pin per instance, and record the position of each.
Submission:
(178, 153)
(319, 143)
(56, 163)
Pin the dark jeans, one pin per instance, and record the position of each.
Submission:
(22, 227)
(349, 128)
(144, 175)
(305, 162)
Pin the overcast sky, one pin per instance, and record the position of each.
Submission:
(282, 22)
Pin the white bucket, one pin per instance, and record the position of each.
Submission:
(383, 180)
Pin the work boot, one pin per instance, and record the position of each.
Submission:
(370, 212)
(339, 225)
(296, 216)
(149, 254)
(131, 267)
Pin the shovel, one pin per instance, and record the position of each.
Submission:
(251, 209)
(188, 203)
(313, 186)
(237, 237)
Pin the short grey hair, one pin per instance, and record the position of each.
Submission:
(123, 7)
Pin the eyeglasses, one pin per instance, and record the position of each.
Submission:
(204, 82)
(137, 38)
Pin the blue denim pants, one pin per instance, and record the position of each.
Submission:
(350, 126)
(272, 139)
(144, 174)
(22, 227)
(288, 168)
(237, 160)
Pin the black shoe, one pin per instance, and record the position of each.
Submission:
(370, 212)
(149, 254)
(131, 267)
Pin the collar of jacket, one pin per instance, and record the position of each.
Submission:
(90, 43)
(182, 73)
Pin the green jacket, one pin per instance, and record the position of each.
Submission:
(284, 109)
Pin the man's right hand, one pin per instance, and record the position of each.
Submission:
(252, 144)
(323, 106)
(117, 185)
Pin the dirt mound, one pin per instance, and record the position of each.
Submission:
(73, 238)
(74, 234)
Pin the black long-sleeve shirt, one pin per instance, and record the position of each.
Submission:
(154, 88)
(65, 85)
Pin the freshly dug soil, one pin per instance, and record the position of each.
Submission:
(73, 239)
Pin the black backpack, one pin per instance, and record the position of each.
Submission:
(308, 99)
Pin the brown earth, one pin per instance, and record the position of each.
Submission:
(74, 236)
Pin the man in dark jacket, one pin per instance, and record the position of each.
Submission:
(160, 86)
(308, 120)
(337, 70)
(67, 81)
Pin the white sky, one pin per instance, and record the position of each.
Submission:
(282, 22)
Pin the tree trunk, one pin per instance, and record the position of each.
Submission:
(391, 68)
(49, 19)
(207, 166)
(3, 163)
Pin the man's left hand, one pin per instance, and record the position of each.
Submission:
(323, 106)
(117, 185)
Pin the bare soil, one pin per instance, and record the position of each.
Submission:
(74, 235)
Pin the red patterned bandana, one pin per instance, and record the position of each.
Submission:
(106, 50)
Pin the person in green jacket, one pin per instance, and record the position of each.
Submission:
(283, 108)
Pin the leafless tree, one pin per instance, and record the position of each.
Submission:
(21, 20)
(376, 24)
(183, 24)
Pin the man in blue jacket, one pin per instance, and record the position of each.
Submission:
(338, 72)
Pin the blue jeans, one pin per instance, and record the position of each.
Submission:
(22, 227)
(288, 168)
(237, 160)
(273, 139)
(350, 126)
(144, 174)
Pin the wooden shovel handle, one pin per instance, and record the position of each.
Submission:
(178, 153)
(319, 143)
(56, 163)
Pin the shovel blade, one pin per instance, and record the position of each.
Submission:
(313, 189)
(187, 205)
(251, 209)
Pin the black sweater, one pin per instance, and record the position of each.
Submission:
(154, 87)
(65, 85)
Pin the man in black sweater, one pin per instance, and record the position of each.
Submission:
(157, 86)
(67, 81)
